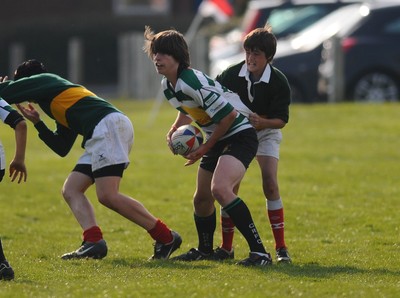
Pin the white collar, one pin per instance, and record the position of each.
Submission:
(264, 78)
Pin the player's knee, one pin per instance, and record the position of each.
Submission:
(220, 192)
(67, 194)
(203, 204)
(105, 199)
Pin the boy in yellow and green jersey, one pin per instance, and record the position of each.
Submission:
(107, 139)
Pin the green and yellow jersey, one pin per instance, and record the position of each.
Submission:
(75, 109)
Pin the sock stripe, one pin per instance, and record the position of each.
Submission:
(277, 226)
(231, 205)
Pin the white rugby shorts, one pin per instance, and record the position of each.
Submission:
(110, 143)
(269, 141)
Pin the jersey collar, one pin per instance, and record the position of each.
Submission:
(244, 72)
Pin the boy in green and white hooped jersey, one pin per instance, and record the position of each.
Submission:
(231, 143)
(205, 101)
(17, 167)
(11, 117)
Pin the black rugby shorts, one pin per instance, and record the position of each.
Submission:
(242, 145)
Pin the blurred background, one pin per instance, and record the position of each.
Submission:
(330, 50)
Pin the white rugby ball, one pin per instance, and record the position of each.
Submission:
(186, 139)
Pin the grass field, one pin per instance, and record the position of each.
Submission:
(339, 178)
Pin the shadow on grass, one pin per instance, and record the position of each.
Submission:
(311, 270)
(308, 270)
(314, 270)
(159, 264)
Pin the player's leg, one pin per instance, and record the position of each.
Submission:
(2, 256)
(269, 172)
(107, 190)
(73, 191)
(235, 160)
(203, 200)
(109, 149)
(226, 251)
(6, 272)
(275, 211)
(204, 218)
(228, 173)
(75, 186)
(2, 162)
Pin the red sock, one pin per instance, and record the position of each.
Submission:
(161, 233)
(277, 226)
(228, 230)
(92, 234)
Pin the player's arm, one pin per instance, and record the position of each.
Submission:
(17, 166)
(218, 108)
(2, 158)
(12, 118)
(262, 122)
(28, 89)
(220, 130)
(60, 141)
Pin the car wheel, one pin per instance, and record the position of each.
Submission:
(376, 87)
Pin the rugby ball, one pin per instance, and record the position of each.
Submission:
(186, 139)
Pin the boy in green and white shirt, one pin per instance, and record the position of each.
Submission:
(205, 101)
(17, 166)
(231, 144)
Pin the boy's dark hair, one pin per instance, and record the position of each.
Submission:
(29, 68)
(262, 39)
(170, 42)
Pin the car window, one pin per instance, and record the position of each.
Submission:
(328, 26)
(285, 21)
(393, 27)
(255, 17)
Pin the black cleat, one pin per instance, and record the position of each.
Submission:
(282, 255)
(256, 259)
(94, 250)
(6, 272)
(193, 255)
(163, 251)
(221, 254)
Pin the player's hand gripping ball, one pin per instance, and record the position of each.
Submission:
(186, 139)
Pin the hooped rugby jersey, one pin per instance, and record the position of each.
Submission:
(10, 117)
(205, 101)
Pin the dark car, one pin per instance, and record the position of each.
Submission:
(362, 61)
(300, 56)
(286, 17)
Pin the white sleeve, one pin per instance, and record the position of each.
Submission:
(5, 109)
(2, 158)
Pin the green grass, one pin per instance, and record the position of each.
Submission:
(339, 179)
